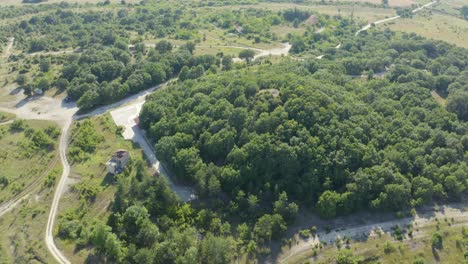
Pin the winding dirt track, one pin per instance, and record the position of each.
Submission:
(49, 235)
(11, 41)
(414, 11)
(456, 211)
(45, 108)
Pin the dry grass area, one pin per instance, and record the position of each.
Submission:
(21, 164)
(283, 31)
(22, 229)
(368, 14)
(383, 248)
(435, 26)
(393, 3)
(19, 2)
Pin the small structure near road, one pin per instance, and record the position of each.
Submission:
(118, 161)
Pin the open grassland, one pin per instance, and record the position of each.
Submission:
(435, 26)
(451, 7)
(4, 117)
(90, 174)
(22, 229)
(414, 244)
(283, 31)
(22, 164)
(365, 13)
(20, 2)
(393, 3)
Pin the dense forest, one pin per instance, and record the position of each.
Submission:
(311, 130)
(110, 58)
(355, 130)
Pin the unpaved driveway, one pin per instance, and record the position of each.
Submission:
(126, 117)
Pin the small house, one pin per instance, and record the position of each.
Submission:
(118, 161)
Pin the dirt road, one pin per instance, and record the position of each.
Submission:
(49, 235)
(457, 211)
(46, 108)
(126, 117)
(11, 41)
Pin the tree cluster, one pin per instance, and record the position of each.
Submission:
(327, 140)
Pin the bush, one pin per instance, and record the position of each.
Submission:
(69, 229)
(18, 125)
(305, 233)
(437, 241)
(389, 247)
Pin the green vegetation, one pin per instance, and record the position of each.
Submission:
(27, 154)
(226, 134)
(28, 165)
(4, 117)
(22, 228)
(356, 130)
(435, 241)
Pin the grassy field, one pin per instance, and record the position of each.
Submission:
(19, 2)
(20, 163)
(4, 117)
(435, 26)
(92, 172)
(22, 229)
(451, 7)
(386, 248)
(393, 3)
(368, 14)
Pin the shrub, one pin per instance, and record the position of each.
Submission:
(437, 240)
(305, 233)
(389, 247)
(18, 125)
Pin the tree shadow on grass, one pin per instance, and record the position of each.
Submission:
(109, 179)
(26, 100)
(16, 91)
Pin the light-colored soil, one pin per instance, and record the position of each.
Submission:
(365, 231)
(392, 3)
(435, 26)
(19, 2)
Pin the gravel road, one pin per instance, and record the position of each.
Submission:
(457, 211)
